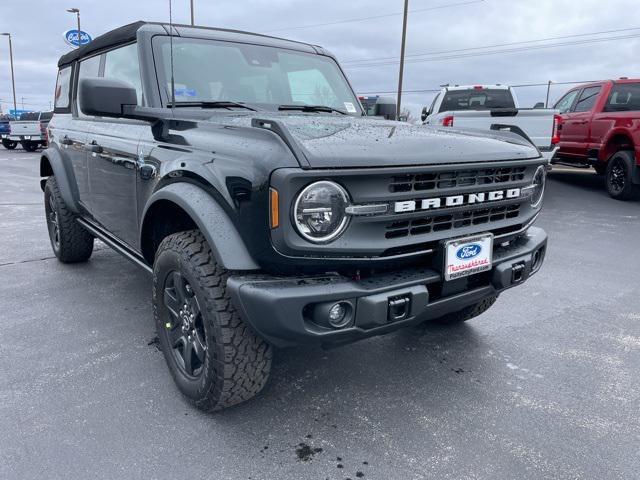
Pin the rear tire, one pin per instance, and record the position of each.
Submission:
(29, 146)
(619, 176)
(70, 242)
(9, 144)
(215, 358)
(467, 313)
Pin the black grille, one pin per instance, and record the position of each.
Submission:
(454, 179)
(439, 223)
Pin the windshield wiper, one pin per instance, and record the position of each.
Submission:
(216, 104)
(311, 108)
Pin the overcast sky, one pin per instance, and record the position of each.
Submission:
(434, 26)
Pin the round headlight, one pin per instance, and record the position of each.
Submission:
(319, 211)
(537, 186)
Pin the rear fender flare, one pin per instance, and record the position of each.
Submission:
(222, 236)
(64, 177)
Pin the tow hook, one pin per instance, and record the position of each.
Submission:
(517, 272)
(399, 308)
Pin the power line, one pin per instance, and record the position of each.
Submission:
(496, 52)
(374, 17)
(491, 46)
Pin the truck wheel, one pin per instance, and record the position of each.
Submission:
(70, 242)
(29, 146)
(467, 313)
(619, 172)
(215, 359)
(8, 144)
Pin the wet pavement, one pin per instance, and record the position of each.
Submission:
(543, 385)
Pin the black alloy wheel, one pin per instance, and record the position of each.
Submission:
(184, 328)
(53, 223)
(618, 177)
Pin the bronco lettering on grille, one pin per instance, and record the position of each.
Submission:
(455, 200)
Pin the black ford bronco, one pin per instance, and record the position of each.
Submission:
(241, 171)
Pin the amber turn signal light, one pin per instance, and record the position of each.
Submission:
(274, 212)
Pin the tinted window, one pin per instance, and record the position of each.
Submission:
(483, 99)
(624, 97)
(565, 103)
(63, 88)
(88, 68)
(587, 99)
(122, 64)
(30, 116)
(46, 116)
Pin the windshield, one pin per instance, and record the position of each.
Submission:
(484, 99)
(214, 71)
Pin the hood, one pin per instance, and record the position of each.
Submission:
(333, 141)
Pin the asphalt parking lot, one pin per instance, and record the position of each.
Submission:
(544, 385)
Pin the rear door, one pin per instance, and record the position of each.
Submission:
(577, 123)
(112, 147)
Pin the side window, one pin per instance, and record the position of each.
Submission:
(88, 68)
(122, 64)
(587, 99)
(564, 104)
(63, 89)
(433, 104)
(624, 97)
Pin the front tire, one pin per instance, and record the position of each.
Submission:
(467, 313)
(9, 144)
(619, 176)
(215, 359)
(29, 146)
(70, 242)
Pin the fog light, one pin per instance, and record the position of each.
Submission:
(338, 315)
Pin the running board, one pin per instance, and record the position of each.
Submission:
(115, 244)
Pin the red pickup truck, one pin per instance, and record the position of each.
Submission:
(601, 128)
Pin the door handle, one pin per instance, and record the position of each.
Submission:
(93, 147)
(66, 141)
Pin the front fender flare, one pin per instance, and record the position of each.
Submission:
(64, 177)
(222, 236)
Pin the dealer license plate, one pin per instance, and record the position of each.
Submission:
(466, 256)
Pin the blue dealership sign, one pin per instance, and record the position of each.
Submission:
(71, 37)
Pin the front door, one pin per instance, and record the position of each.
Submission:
(577, 124)
(112, 148)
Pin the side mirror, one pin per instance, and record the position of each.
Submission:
(102, 97)
(539, 105)
(425, 113)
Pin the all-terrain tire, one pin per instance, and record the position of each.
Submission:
(619, 176)
(237, 362)
(467, 313)
(9, 144)
(71, 243)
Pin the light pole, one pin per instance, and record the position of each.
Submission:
(401, 73)
(13, 80)
(192, 17)
(77, 12)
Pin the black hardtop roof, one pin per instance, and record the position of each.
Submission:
(128, 33)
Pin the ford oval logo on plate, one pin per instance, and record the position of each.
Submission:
(467, 252)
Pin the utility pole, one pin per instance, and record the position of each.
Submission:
(13, 80)
(77, 12)
(546, 102)
(192, 17)
(401, 73)
(22, 98)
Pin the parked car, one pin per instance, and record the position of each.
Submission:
(30, 130)
(270, 215)
(5, 130)
(493, 107)
(601, 129)
(377, 106)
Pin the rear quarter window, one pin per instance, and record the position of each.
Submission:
(62, 96)
(624, 97)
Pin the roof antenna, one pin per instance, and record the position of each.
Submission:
(173, 83)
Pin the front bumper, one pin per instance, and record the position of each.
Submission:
(283, 310)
